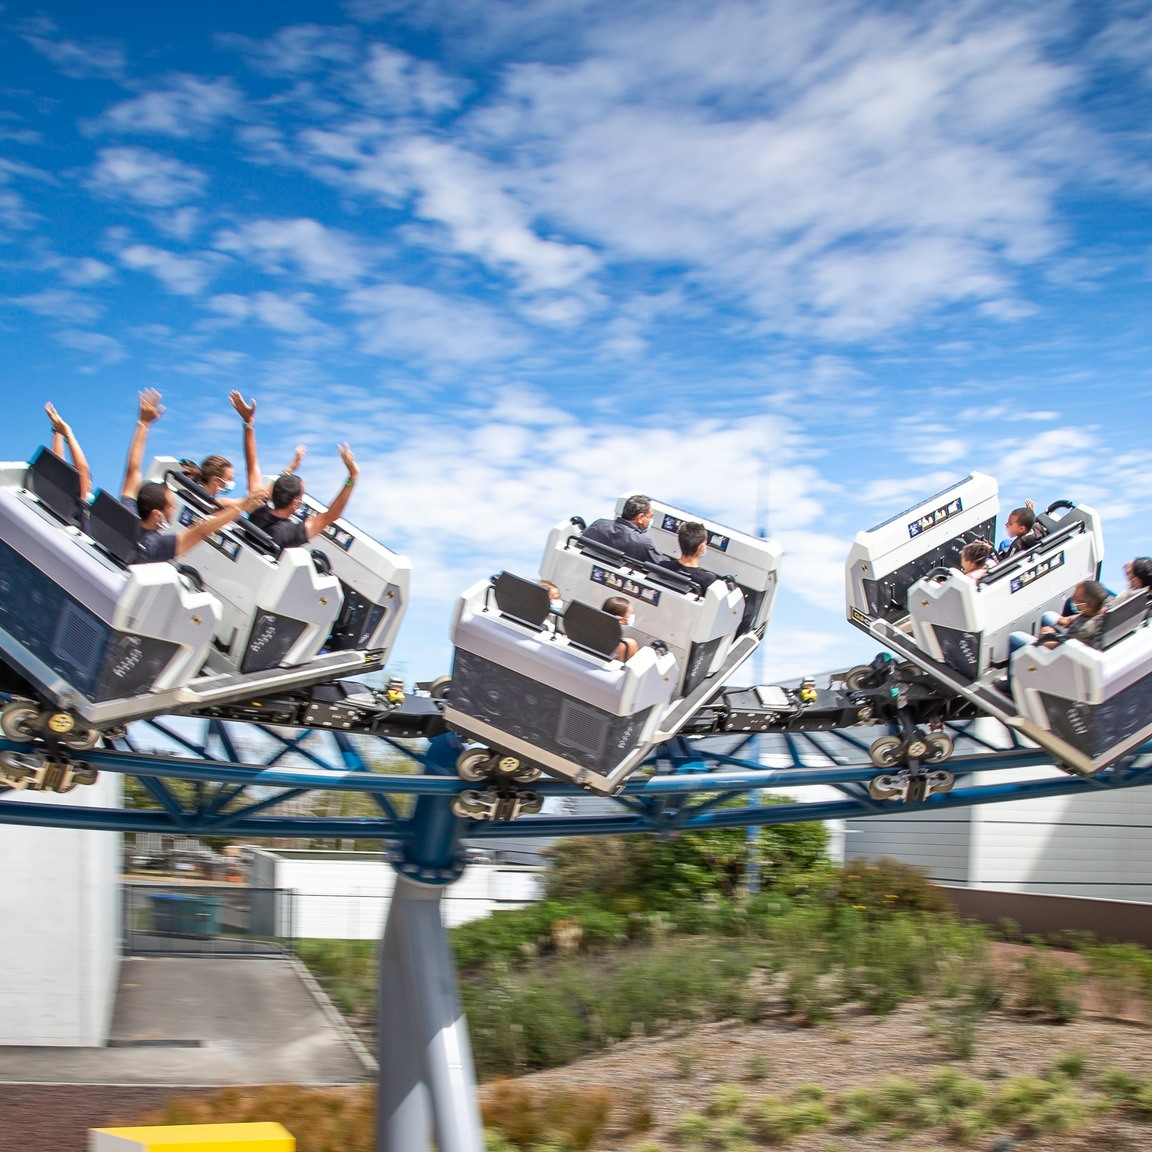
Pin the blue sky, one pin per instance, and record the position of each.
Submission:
(795, 262)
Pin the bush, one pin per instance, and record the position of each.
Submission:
(1048, 988)
(773, 1121)
(527, 1118)
(319, 1118)
(1121, 972)
(574, 1005)
(884, 887)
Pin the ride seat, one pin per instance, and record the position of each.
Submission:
(592, 630)
(56, 485)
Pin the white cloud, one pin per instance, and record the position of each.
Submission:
(316, 252)
(297, 50)
(145, 177)
(99, 350)
(96, 58)
(398, 82)
(59, 304)
(84, 271)
(188, 106)
(287, 315)
(399, 320)
(180, 275)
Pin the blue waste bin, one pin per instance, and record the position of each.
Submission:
(179, 914)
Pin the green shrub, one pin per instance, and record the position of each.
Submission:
(885, 887)
(774, 1121)
(1122, 973)
(1048, 988)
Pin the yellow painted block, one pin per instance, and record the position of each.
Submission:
(193, 1138)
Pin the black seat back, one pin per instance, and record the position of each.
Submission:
(56, 484)
(116, 528)
(592, 630)
(521, 600)
(1124, 618)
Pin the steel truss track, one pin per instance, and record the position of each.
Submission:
(241, 774)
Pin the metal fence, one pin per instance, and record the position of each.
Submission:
(172, 919)
(165, 917)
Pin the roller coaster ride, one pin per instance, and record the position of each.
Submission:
(234, 673)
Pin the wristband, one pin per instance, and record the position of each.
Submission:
(349, 482)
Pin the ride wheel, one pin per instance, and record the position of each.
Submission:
(887, 752)
(20, 720)
(474, 765)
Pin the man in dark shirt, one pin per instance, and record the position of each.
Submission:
(155, 507)
(693, 538)
(626, 532)
(280, 521)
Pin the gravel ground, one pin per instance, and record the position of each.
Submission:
(56, 1118)
(677, 1074)
(680, 1071)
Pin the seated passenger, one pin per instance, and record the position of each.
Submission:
(555, 603)
(155, 506)
(1090, 598)
(1022, 531)
(280, 521)
(618, 606)
(974, 559)
(626, 532)
(1139, 575)
(693, 538)
(61, 436)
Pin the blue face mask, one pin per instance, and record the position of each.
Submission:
(227, 486)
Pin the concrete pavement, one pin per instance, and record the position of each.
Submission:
(207, 1021)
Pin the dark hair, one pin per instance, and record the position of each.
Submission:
(691, 535)
(285, 490)
(617, 605)
(1092, 594)
(151, 498)
(1141, 568)
(635, 506)
(210, 468)
(976, 552)
(1025, 517)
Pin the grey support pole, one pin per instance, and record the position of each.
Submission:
(426, 1069)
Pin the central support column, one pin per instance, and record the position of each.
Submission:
(427, 1076)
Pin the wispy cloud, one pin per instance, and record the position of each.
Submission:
(305, 247)
(179, 274)
(398, 320)
(95, 58)
(146, 177)
(59, 304)
(183, 107)
(297, 50)
(98, 350)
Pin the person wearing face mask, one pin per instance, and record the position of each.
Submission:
(693, 537)
(214, 473)
(619, 607)
(555, 603)
(627, 532)
(155, 507)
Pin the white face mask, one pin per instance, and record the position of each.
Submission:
(630, 620)
(555, 605)
(228, 486)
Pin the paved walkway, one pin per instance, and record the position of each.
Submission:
(206, 1021)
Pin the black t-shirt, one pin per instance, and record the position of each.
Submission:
(701, 577)
(155, 546)
(288, 532)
